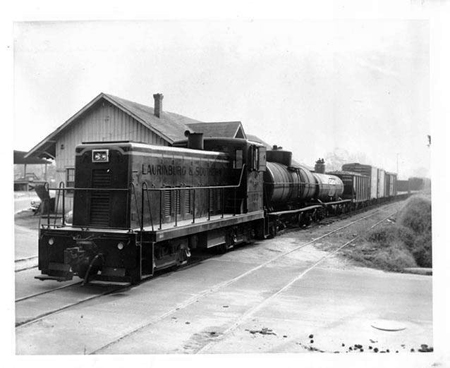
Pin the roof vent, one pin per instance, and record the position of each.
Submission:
(158, 104)
(320, 166)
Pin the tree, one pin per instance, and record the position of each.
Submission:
(334, 160)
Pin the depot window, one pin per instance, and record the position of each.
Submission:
(70, 177)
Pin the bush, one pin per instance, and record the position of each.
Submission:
(407, 243)
(422, 250)
(385, 236)
(394, 258)
(416, 215)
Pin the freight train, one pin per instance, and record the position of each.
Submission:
(139, 208)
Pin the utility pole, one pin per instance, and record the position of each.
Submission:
(397, 166)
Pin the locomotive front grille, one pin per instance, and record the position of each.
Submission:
(100, 200)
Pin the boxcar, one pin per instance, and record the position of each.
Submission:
(391, 184)
(356, 186)
(381, 183)
(370, 171)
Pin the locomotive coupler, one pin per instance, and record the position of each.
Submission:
(80, 258)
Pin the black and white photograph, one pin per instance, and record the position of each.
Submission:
(227, 186)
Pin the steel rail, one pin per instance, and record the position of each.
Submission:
(25, 261)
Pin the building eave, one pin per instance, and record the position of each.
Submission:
(51, 137)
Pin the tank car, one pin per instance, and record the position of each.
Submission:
(328, 187)
(288, 186)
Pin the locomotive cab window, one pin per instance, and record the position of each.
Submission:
(258, 158)
(262, 159)
(239, 160)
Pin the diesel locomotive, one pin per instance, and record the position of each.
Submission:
(139, 208)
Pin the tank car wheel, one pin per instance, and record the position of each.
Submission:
(307, 219)
(300, 219)
(272, 230)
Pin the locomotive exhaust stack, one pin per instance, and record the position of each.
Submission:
(195, 140)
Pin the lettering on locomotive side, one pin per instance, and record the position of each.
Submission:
(178, 170)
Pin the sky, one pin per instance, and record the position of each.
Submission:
(310, 86)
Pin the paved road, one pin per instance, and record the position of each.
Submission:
(25, 241)
(24, 202)
(339, 307)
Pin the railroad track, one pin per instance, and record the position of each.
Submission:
(62, 301)
(249, 313)
(195, 298)
(78, 296)
(46, 292)
(24, 264)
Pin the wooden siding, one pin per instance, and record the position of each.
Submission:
(104, 122)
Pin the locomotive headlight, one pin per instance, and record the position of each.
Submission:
(120, 246)
(100, 155)
(51, 241)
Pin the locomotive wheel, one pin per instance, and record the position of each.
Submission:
(224, 248)
(184, 254)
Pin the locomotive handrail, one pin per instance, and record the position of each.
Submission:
(59, 189)
(61, 186)
(146, 189)
(93, 189)
(133, 191)
(143, 203)
(64, 189)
